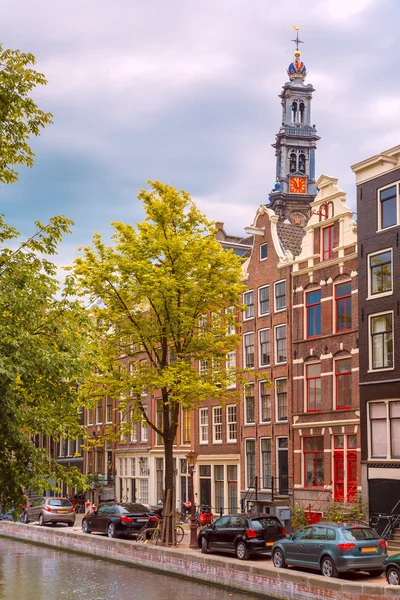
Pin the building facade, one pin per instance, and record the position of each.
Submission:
(325, 428)
(378, 209)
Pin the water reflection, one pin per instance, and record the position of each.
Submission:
(29, 572)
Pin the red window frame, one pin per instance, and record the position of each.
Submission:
(346, 406)
(327, 250)
(315, 313)
(337, 299)
(312, 378)
(314, 452)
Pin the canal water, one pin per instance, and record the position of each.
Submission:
(29, 572)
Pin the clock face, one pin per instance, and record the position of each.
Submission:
(298, 185)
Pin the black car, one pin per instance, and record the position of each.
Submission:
(241, 534)
(119, 519)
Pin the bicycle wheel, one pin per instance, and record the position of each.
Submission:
(156, 536)
(179, 534)
(142, 535)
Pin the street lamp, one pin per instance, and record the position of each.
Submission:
(191, 458)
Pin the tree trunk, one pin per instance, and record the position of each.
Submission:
(168, 530)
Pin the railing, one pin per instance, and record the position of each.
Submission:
(252, 491)
(313, 509)
(300, 131)
(393, 520)
(351, 491)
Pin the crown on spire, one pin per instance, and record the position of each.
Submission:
(297, 69)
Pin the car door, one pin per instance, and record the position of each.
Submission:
(236, 527)
(96, 519)
(316, 544)
(217, 537)
(37, 506)
(295, 551)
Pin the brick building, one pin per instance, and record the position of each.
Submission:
(326, 441)
(378, 209)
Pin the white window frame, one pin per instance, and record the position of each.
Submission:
(260, 364)
(99, 404)
(134, 428)
(388, 458)
(230, 365)
(229, 422)
(371, 296)
(231, 330)
(217, 424)
(279, 362)
(244, 350)
(144, 429)
(203, 426)
(260, 402)
(245, 315)
(370, 317)
(89, 421)
(277, 420)
(378, 201)
(261, 245)
(203, 367)
(263, 287)
(261, 463)
(277, 310)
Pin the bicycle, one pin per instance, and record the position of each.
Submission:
(152, 535)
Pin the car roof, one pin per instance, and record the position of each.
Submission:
(343, 524)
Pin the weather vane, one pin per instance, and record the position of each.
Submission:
(297, 41)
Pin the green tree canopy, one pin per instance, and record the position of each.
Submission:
(169, 294)
(44, 354)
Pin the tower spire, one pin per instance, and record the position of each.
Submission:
(297, 41)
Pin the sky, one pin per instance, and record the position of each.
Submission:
(186, 92)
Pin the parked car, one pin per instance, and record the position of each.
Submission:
(49, 510)
(332, 548)
(241, 534)
(119, 519)
(392, 568)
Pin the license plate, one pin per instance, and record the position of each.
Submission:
(269, 543)
(62, 511)
(141, 520)
(368, 549)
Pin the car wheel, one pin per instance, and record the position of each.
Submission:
(393, 575)
(85, 526)
(241, 551)
(70, 524)
(41, 520)
(25, 518)
(328, 567)
(111, 531)
(376, 572)
(204, 545)
(278, 559)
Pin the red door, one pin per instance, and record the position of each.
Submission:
(351, 477)
(338, 476)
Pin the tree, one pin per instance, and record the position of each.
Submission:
(43, 356)
(20, 117)
(168, 295)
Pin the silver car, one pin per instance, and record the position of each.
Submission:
(50, 510)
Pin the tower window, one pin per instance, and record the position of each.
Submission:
(293, 161)
(294, 112)
(302, 162)
(301, 111)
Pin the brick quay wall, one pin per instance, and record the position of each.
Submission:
(263, 580)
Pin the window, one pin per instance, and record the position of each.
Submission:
(133, 467)
(381, 341)
(385, 429)
(63, 447)
(263, 251)
(265, 402)
(144, 432)
(186, 426)
(144, 491)
(343, 383)
(203, 368)
(313, 382)
(388, 207)
(249, 350)
(230, 368)
(248, 300)
(313, 308)
(232, 325)
(280, 344)
(134, 432)
(203, 415)
(264, 347)
(90, 416)
(249, 402)
(343, 306)
(314, 461)
(266, 463)
(232, 488)
(327, 242)
(159, 478)
(280, 295)
(109, 410)
(250, 462)
(219, 487)
(231, 424)
(99, 412)
(281, 399)
(217, 424)
(380, 273)
(263, 300)
(71, 447)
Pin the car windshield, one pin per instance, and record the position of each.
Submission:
(359, 534)
(59, 502)
(263, 523)
(134, 508)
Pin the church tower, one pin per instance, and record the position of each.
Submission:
(295, 147)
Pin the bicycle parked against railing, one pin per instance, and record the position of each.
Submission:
(204, 516)
(152, 535)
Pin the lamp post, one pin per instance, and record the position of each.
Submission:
(191, 458)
